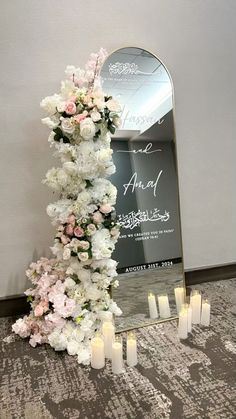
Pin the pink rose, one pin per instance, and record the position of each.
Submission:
(69, 229)
(80, 117)
(70, 108)
(71, 219)
(105, 208)
(97, 217)
(38, 311)
(78, 232)
(65, 239)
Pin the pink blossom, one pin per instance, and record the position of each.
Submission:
(78, 232)
(80, 117)
(105, 208)
(65, 239)
(38, 311)
(69, 229)
(70, 108)
(35, 339)
(71, 220)
(22, 327)
(97, 217)
(55, 319)
(41, 308)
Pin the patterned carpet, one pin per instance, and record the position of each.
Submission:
(192, 379)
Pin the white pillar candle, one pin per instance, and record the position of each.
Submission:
(189, 312)
(190, 315)
(97, 352)
(117, 355)
(183, 324)
(205, 315)
(131, 346)
(108, 331)
(195, 302)
(179, 297)
(164, 307)
(152, 306)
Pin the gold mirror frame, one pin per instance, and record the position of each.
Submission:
(159, 320)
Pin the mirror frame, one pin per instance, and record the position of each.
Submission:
(158, 320)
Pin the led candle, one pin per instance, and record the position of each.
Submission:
(189, 312)
(183, 324)
(97, 352)
(117, 355)
(195, 302)
(179, 297)
(163, 304)
(108, 331)
(205, 315)
(131, 346)
(152, 306)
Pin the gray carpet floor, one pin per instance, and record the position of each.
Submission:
(189, 379)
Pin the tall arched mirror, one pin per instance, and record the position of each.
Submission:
(149, 250)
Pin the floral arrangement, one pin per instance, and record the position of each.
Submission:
(70, 294)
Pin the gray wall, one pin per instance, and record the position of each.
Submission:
(195, 39)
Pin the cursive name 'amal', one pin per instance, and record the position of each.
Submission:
(135, 183)
(146, 150)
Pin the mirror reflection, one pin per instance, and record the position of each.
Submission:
(149, 250)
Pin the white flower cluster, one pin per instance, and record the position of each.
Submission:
(71, 296)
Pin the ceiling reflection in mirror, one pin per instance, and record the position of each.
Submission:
(149, 250)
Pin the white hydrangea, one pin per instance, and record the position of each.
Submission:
(102, 245)
(50, 103)
(57, 340)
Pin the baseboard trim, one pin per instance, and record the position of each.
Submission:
(198, 276)
(17, 304)
(13, 305)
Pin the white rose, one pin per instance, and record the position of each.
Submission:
(87, 129)
(95, 115)
(91, 229)
(66, 254)
(73, 347)
(83, 244)
(113, 105)
(83, 256)
(67, 125)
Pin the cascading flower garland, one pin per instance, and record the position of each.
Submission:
(70, 294)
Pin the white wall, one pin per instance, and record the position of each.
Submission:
(195, 39)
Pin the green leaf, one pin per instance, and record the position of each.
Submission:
(29, 299)
(88, 183)
(111, 128)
